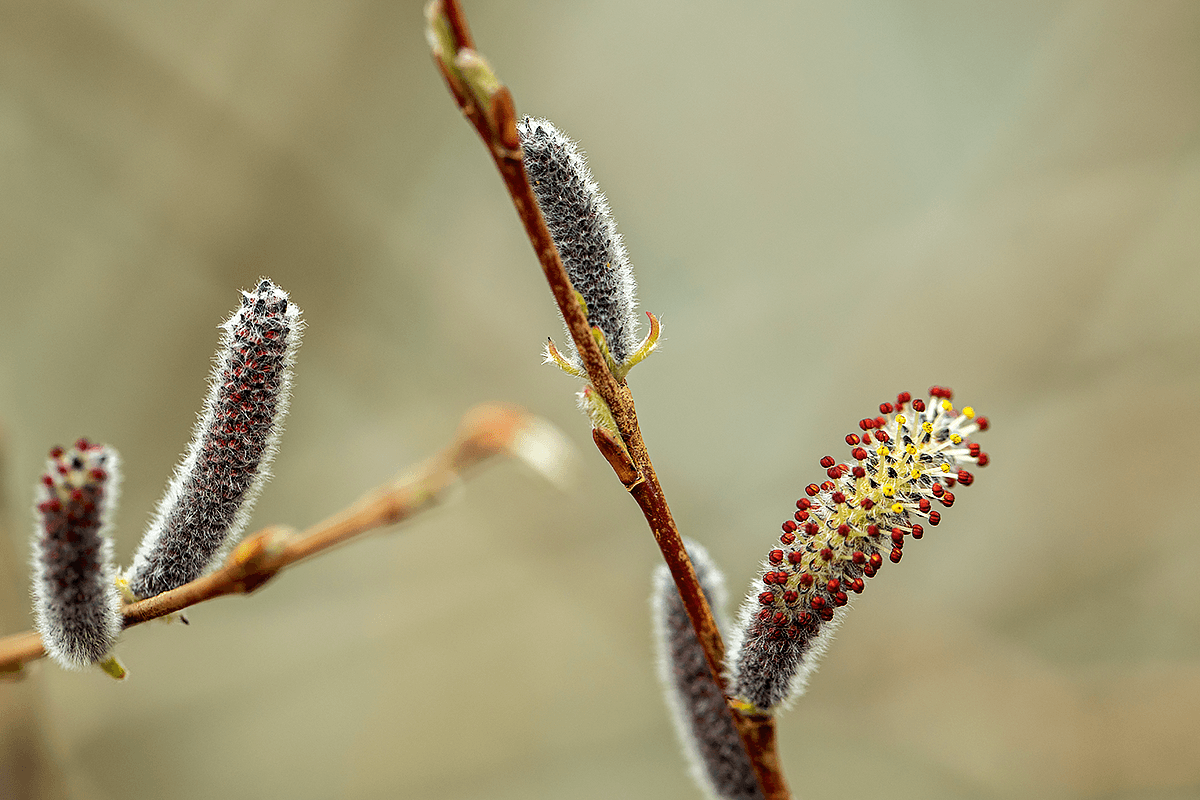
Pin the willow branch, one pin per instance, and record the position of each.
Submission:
(488, 106)
(485, 431)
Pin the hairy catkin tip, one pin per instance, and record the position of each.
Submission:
(904, 463)
(76, 604)
(585, 233)
(208, 502)
(710, 741)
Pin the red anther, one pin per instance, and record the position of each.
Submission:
(937, 490)
(82, 444)
(779, 618)
(61, 469)
(827, 486)
(839, 497)
(897, 536)
(923, 505)
(973, 449)
(872, 530)
(775, 556)
(834, 472)
(803, 504)
(98, 474)
(870, 571)
(866, 424)
(826, 554)
(811, 528)
(793, 632)
(790, 597)
(934, 518)
(858, 557)
(827, 461)
(903, 398)
(896, 555)
(795, 557)
(879, 423)
(917, 531)
(983, 459)
(950, 483)
(852, 439)
(840, 599)
(812, 489)
(858, 472)
(51, 506)
(876, 560)
(833, 585)
(764, 615)
(857, 585)
(788, 537)
(46, 479)
(806, 580)
(804, 618)
(56, 452)
(882, 436)
(817, 602)
(948, 499)
(867, 504)
(825, 614)
(866, 438)
(801, 516)
(859, 453)
(766, 598)
(918, 404)
(885, 408)
(789, 526)
(843, 529)
(982, 422)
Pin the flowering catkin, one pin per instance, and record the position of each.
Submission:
(710, 741)
(904, 462)
(583, 229)
(207, 503)
(76, 603)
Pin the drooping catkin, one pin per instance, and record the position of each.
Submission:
(76, 604)
(710, 741)
(207, 503)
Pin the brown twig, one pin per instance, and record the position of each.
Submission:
(485, 431)
(488, 106)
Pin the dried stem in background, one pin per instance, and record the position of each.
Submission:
(485, 431)
(488, 106)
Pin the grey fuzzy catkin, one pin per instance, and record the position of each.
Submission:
(76, 604)
(583, 229)
(208, 502)
(710, 741)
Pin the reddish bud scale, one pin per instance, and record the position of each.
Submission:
(77, 608)
(904, 461)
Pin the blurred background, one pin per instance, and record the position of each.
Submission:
(825, 203)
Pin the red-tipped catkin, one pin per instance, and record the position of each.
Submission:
(583, 229)
(710, 741)
(903, 466)
(208, 502)
(76, 603)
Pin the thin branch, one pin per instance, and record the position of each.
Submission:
(488, 106)
(485, 431)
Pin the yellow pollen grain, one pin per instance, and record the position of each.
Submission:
(897, 508)
(916, 473)
(945, 467)
(882, 451)
(900, 420)
(946, 405)
(888, 490)
(911, 449)
(968, 412)
(927, 427)
(954, 437)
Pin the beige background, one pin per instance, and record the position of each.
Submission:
(826, 204)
